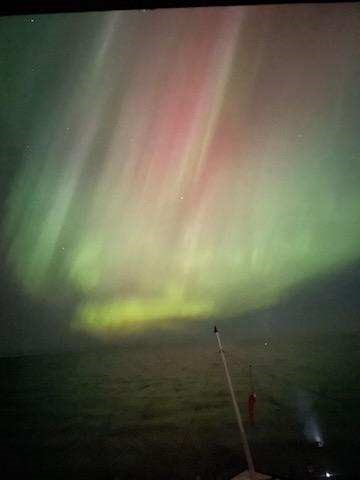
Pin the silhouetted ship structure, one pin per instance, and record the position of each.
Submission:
(250, 473)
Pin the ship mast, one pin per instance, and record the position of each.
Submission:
(244, 440)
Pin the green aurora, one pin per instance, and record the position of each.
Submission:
(187, 164)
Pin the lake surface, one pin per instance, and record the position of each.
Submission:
(163, 411)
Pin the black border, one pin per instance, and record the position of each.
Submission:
(34, 7)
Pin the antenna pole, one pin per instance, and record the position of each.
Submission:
(244, 440)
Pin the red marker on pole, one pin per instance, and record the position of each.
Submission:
(252, 399)
(244, 440)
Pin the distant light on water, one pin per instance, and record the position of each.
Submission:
(319, 442)
(312, 431)
(308, 417)
(328, 475)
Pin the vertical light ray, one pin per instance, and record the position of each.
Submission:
(187, 167)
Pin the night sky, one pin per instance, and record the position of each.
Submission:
(168, 167)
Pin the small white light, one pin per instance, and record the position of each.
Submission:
(327, 474)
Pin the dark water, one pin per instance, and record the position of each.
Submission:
(164, 413)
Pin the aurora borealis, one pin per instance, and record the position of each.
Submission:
(182, 164)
